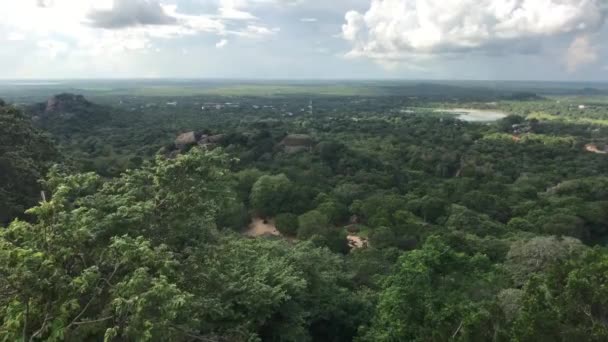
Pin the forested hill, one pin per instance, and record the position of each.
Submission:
(298, 219)
(25, 156)
(66, 114)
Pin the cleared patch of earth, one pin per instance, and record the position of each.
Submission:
(261, 227)
(355, 241)
(593, 148)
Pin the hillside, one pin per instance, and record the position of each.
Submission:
(67, 114)
(25, 155)
(327, 218)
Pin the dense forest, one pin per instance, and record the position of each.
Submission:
(304, 218)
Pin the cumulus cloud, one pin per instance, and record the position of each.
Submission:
(126, 13)
(354, 24)
(110, 27)
(396, 30)
(234, 9)
(221, 44)
(581, 52)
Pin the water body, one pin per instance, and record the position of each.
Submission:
(475, 115)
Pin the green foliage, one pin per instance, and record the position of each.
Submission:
(466, 220)
(494, 248)
(568, 304)
(75, 274)
(233, 215)
(291, 294)
(312, 223)
(435, 294)
(382, 237)
(506, 124)
(335, 212)
(471, 227)
(25, 154)
(528, 258)
(270, 194)
(138, 258)
(431, 208)
(369, 266)
(244, 182)
(287, 224)
(332, 238)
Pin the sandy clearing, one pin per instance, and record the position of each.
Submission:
(257, 227)
(593, 148)
(355, 241)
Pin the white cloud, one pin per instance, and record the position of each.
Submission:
(103, 27)
(15, 36)
(55, 16)
(308, 20)
(222, 43)
(397, 30)
(129, 13)
(354, 24)
(233, 9)
(256, 31)
(53, 48)
(581, 52)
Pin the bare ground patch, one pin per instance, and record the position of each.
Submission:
(261, 227)
(593, 148)
(355, 241)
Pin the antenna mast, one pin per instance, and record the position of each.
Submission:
(310, 108)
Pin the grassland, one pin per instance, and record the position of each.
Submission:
(543, 116)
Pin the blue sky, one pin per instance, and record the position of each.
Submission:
(313, 39)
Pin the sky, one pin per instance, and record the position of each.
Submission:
(305, 39)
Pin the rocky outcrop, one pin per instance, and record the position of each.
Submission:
(186, 139)
(66, 103)
(294, 143)
(69, 113)
(189, 139)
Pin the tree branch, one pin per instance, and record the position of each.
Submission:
(47, 317)
(93, 320)
(73, 322)
(25, 318)
(457, 330)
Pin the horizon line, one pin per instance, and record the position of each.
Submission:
(295, 79)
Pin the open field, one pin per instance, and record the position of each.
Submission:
(576, 92)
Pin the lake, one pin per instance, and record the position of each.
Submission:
(474, 115)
